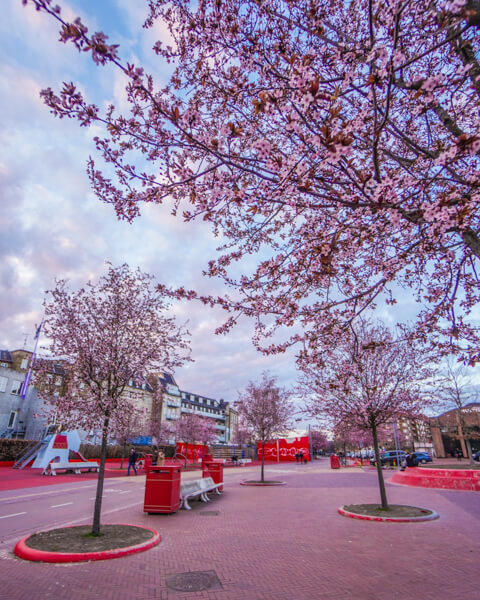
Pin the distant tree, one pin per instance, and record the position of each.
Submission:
(242, 434)
(208, 431)
(107, 334)
(266, 410)
(456, 389)
(319, 440)
(192, 428)
(126, 425)
(368, 379)
(161, 431)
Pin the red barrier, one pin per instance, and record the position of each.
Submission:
(445, 479)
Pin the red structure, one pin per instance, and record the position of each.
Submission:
(285, 449)
(334, 461)
(193, 452)
(162, 489)
(444, 479)
(215, 471)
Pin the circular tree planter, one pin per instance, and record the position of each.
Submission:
(396, 513)
(73, 544)
(262, 483)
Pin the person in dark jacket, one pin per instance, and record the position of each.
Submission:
(132, 459)
(411, 460)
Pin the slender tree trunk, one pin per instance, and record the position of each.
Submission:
(123, 456)
(381, 483)
(262, 477)
(101, 477)
(469, 451)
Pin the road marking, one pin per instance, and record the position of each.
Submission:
(125, 492)
(64, 504)
(14, 515)
(55, 492)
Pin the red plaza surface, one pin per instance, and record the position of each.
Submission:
(262, 543)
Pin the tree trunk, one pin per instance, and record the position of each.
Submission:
(381, 483)
(262, 477)
(101, 477)
(469, 451)
(122, 456)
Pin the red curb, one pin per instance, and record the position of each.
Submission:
(430, 517)
(264, 484)
(23, 551)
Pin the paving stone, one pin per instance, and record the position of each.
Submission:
(284, 543)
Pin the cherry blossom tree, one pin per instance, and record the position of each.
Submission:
(161, 431)
(193, 428)
(369, 379)
(265, 410)
(338, 142)
(242, 434)
(319, 440)
(127, 425)
(208, 431)
(108, 334)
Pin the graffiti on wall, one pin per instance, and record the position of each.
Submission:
(285, 449)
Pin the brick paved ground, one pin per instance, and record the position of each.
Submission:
(283, 543)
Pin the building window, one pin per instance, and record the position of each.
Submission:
(2, 364)
(17, 387)
(24, 364)
(11, 420)
(3, 384)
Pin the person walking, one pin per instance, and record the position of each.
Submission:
(132, 459)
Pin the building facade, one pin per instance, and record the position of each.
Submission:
(22, 410)
(451, 429)
(176, 402)
(23, 415)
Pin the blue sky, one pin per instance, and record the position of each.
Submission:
(52, 226)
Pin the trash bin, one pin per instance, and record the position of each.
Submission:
(213, 470)
(162, 489)
(207, 458)
(334, 461)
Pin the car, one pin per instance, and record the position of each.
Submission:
(422, 457)
(476, 456)
(390, 458)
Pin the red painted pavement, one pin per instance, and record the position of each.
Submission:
(16, 479)
(278, 543)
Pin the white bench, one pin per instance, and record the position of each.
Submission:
(198, 488)
(76, 467)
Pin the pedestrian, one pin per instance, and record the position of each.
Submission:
(132, 459)
(458, 454)
(161, 458)
(411, 460)
(297, 456)
(301, 456)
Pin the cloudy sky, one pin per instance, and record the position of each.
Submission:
(52, 226)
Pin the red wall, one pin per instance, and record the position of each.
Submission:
(286, 448)
(193, 452)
